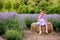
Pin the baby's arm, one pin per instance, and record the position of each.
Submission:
(38, 19)
(45, 18)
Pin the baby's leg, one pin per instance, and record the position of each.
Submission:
(46, 28)
(40, 29)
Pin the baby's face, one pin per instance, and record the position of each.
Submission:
(41, 13)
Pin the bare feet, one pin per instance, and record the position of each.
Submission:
(40, 32)
(46, 31)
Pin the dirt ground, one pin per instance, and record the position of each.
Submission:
(35, 36)
(1, 38)
(28, 35)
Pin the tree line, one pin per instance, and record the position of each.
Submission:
(30, 6)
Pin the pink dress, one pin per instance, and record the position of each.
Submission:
(42, 20)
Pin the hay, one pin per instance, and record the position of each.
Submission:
(34, 27)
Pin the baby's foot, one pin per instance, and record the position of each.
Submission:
(40, 32)
(46, 31)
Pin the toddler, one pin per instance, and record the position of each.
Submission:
(42, 21)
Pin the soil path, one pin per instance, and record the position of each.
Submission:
(35, 36)
(1, 38)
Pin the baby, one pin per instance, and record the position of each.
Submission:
(42, 21)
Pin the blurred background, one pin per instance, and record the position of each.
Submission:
(16, 17)
(30, 6)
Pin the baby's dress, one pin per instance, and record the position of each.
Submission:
(42, 21)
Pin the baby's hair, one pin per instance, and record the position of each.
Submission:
(42, 11)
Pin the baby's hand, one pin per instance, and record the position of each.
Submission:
(46, 20)
(38, 20)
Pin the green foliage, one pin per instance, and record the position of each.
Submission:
(16, 5)
(1, 5)
(36, 9)
(11, 24)
(55, 23)
(28, 22)
(42, 5)
(2, 28)
(8, 6)
(12, 29)
(13, 35)
(22, 9)
(58, 9)
(8, 24)
(30, 6)
(30, 9)
(54, 8)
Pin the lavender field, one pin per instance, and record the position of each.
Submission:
(21, 19)
(16, 17)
